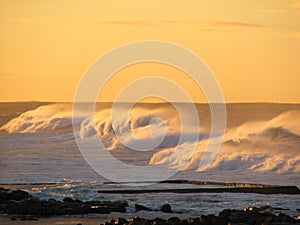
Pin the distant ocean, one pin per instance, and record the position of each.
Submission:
(261, 146)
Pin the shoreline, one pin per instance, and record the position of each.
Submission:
(18, 207)
(248, 216)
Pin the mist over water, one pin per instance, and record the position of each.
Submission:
(258, 145)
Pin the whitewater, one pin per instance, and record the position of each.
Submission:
(261, 146)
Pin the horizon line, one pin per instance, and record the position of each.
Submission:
(160, 102)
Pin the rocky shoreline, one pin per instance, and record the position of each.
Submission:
(18, 204)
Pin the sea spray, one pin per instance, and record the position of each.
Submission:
(256, 145)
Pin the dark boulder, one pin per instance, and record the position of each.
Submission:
(18, 195)
(67, 200)
(159, 221)
(121, 221)
(139, 207)
(174, 221)
(166, 208)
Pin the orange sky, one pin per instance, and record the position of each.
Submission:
(252, 46)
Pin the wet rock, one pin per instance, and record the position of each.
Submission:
(17, 195)
(235, 217)
(121, 221)
(184, 222)
(117, 206)
(166, 208)
(159, 221)
(174, 221)
(21, 203)
(243, 217)
(267, 221)
(284, 218)
(32, 218)
(237, 223)
(225, 215)
(139, 221)
(67, 200)
(139, 207)
(198, 221)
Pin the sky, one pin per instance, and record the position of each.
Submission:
(251, 46)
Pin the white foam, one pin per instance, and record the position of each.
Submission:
(258, 146)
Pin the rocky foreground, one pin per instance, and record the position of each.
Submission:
(18, 203)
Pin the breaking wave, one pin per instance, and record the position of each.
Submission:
(259, 146)
(43, 119)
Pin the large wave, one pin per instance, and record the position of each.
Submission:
(45, 118)
(259, 146)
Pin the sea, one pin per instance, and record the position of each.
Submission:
(41, 152)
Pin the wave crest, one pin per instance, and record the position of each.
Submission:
(259, 146)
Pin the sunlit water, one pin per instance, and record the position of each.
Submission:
(49, 164)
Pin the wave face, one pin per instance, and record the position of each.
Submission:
(43, 119)
(260, 146)
(255, 145)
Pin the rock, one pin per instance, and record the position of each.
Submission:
(139, 207)
(184, 222)
(166, 208)
(32, 218)
(284, 218)
(174, 221)
(67, 199)
(19, 195)
(121, 221)
(212, 219)
(225, 214)
(235, 217)
(268, 221)
(139, 221)
(202, 220)
(121, 202)
(159, 221)
(31, 205)
(237, 223)
(117, 206)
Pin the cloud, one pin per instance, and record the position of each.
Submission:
(203, 22)
(75, 21)
(237, 24)
(126, 22)
(28, 20)
(203, 25)
(274, 11)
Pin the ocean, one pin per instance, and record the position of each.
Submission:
(261, 147)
